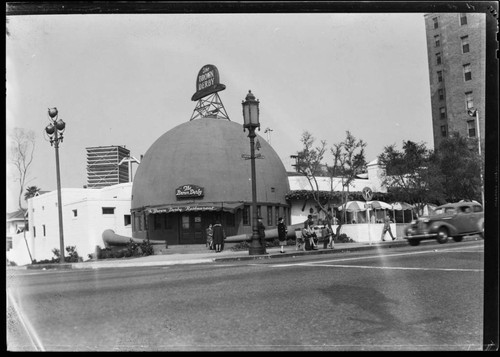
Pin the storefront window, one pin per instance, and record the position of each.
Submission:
(269, 215)
(185, 222)
(246, 215)
(167, 222)
(230, 222)
(156, 222)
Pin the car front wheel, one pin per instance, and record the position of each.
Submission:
(442, 236)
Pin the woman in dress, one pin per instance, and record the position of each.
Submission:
(210, 234)
(218, 236)
(282, 231)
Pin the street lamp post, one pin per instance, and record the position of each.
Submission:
(251, 122)
(475, 113)
(55, 132)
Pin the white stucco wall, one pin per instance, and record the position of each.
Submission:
(19, 252)
(83, 230)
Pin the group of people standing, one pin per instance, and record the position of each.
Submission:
(216, 234)
(310, 235)
(215, 237)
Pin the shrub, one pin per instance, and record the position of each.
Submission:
(241, 246)
(146, 248)
(343, 238)
(72, 256)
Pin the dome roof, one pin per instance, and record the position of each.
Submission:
(208, 153)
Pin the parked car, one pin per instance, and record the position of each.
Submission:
(454, 220)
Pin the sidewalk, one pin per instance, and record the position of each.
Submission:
(177, 255)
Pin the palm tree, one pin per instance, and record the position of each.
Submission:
(31, 191)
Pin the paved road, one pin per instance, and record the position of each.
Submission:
(406, 298)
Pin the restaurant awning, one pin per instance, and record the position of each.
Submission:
(196, 207)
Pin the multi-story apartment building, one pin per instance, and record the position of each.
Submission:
(456, 52)
(105, 166)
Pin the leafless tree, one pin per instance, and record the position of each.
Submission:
(21, 156)
(348, 162)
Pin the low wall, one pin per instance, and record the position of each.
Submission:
(366, 233)
(359, 233)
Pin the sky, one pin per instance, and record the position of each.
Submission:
(126, 79)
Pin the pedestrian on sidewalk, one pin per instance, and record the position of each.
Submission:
(210, 234)
(387, 228)
(328, 236)
(218, 236)
(330, 219)
(282, 231)
(308, 220)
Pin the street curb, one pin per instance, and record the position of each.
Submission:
(274, 255)
(311, 252)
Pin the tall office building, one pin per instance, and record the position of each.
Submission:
(103, 166)
(456, 52)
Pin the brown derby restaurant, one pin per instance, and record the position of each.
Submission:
(198, 173)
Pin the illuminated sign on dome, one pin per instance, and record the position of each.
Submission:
(207, 82)
(189, 191)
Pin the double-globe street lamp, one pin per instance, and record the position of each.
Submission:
(55, 132)
(475, 113)
(251, 122)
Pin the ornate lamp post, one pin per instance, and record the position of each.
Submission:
(475, 113)
(251, 122)
(55, 132)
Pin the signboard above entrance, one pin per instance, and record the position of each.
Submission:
(207, 82)
(189, 191)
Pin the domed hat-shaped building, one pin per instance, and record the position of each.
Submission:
(196, 174)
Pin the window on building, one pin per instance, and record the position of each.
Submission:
(465, 44)
(442, 113)
(246, 215)
(230, 221)
(126, 220)
(437, 41)
(436, 23)
(471, 128)
(108, 210)
(469, 101)
(438, 58)
(440, 76)
(269, 215)
(137, 221)
(463, 19)
(185, 221)
(34, 232)
(156, 222)
(167, 222)
(259, 214)
(467, 72)
(443, 130)
(277, 213)
(75, 213)
(9, 243)
(44, 230)
(441, 94)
